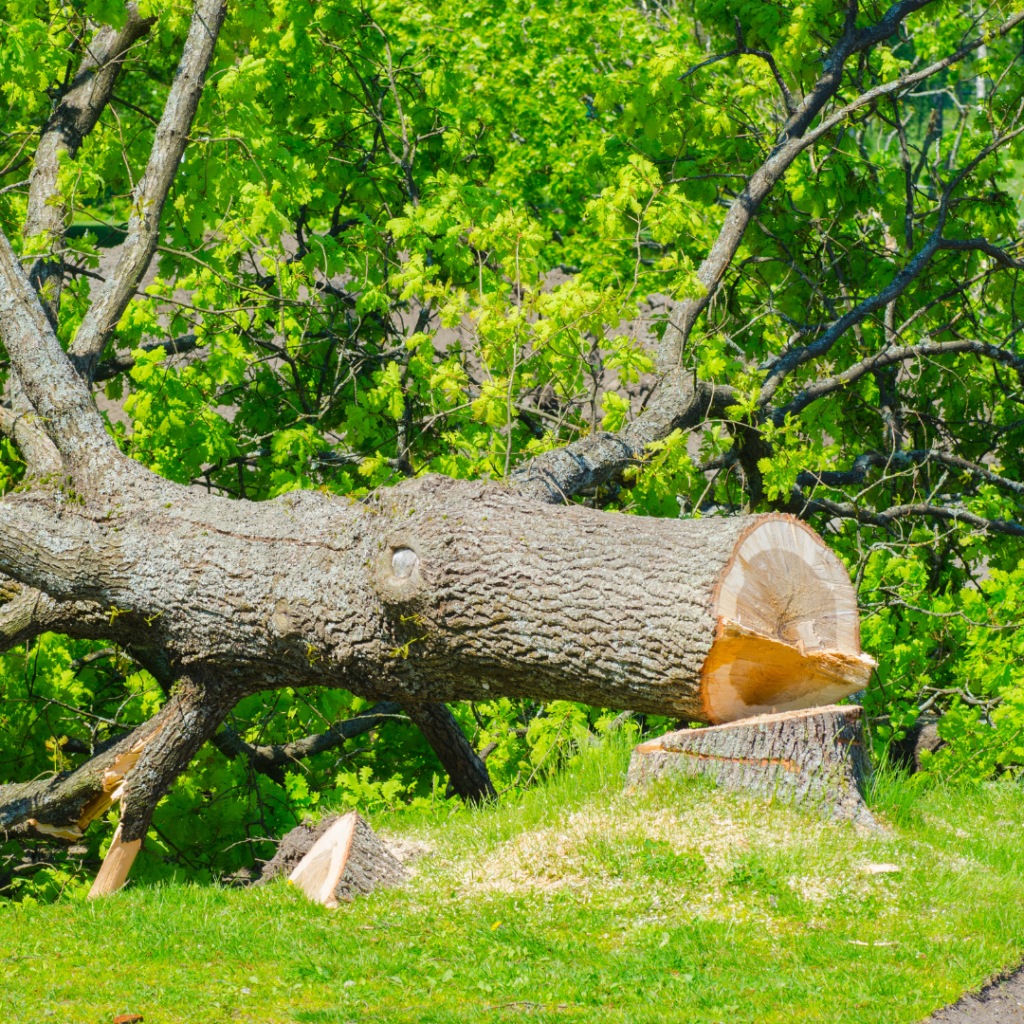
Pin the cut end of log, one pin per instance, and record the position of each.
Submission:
(788, 633)
(813, 758)
(320, 871)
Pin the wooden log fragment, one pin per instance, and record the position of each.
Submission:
(370, 865)
(116, 865)
(319, 872)
(335, 860)
(813, 758)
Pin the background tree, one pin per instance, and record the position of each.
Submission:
(673, 263)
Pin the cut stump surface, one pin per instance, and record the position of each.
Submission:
(813, 758)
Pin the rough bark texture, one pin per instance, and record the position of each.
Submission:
(920, 738)
(69, 801)
(435, 590)
(370, 866)
(503, 595)
(813, 759)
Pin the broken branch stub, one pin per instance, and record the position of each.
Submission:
(814, 759)
(118, 862)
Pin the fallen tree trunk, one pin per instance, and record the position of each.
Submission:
(446, 590)
(440, 590)
(814, 759)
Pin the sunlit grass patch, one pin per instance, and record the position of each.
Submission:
(575, 901)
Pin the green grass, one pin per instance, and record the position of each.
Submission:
(576, 902)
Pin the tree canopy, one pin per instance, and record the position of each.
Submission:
(724, 257)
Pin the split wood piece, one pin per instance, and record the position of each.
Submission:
(812, 758)
(320, 871)
(119, 859)
(787, 630)
(115, 867)
(335, 860)
(112, 783)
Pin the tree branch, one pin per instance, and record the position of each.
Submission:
(902, 460)
(847, 510)
(62, 555)
(110, 368)
(679, 403)
(273, 759)
(56, 392)
(151, 191)
(887, 357)
(788, 362)
(788, 146)
(467, 773)
(71, 121)
(22, 426)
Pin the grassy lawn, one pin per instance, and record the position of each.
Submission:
(679, 904)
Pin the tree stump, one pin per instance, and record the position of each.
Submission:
(335, 860)
(813, 758)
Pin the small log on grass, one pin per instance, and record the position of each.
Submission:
(812, 758)
(335, 860)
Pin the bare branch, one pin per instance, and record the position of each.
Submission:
(680, 403)
(888, 357)
(788, 362)
(151, 191)
(273, 759)
(901, 460)
(1001, 256)
(110, 368)
(788, 146)
(467, 773)
(26, 613)
(847, 510)
(72, 119)
(906, 82)
(21, 425)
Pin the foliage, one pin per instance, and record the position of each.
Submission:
(441, 237)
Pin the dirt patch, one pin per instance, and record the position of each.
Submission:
(1001, 1002)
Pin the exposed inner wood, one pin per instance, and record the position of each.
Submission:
(319, 872)
(113, 783)
(788, 634)
(116, 865)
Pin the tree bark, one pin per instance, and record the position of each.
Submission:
(440, 590)
(813, 759)
(335, 860)
(467, 773)
(436, 590)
